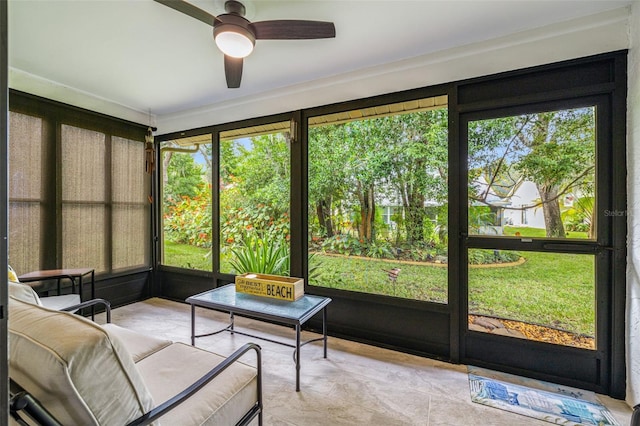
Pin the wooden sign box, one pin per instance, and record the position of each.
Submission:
(275, 286)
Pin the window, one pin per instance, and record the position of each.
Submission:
(186, 202)
(130, 205)
(84, 198)
(378, 200)
(253, 208)
(254, 200)
(26, 190)
(78, 190)
(533, 175)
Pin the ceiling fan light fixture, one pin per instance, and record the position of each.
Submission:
(233, 41)
(236, 36)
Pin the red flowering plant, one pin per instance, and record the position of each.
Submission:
(254, 237)
(188, 221)
(240, 223)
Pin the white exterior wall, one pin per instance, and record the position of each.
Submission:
(526, 195)
(633, 210)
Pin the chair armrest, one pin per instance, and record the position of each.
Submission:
(107, 306)
(170, 404)
(22, 401)
(635, 417)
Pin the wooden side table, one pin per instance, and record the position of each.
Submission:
(59, 274)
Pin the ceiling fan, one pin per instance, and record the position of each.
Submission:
(236, 36)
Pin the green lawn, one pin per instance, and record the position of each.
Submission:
(368, 276)
(186, 256)
(190, 257)
(550, 289)
(524, 231)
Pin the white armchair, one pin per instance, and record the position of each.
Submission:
(73, 371)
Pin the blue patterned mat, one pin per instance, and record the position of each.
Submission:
(552, 403)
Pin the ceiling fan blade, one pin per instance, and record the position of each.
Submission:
(233, 71)
(190, 10)
(292, 30)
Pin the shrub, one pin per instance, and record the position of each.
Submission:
(268, 257)
(343, 244)
(189, 220)
(261, 256)
(236, 224)
(380, 250)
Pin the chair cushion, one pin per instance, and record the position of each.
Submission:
(221, 402)
(23, 292)
(27, 294)
(138, 345)
(81, 373)
(60, 302)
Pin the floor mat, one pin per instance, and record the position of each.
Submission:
(552, 403)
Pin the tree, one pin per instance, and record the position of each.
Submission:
(228, 162)
(492, 151)
(262, 171)
(417, 162)
(346, 163)
(400, 157)
(555, 150)
(205, 152)
(327, 183)
(561, 157)
(182, 177)
(366, 161)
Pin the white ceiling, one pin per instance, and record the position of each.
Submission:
(143, 61)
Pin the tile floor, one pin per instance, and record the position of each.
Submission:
(357, 384)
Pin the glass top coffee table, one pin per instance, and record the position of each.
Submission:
(280, 311)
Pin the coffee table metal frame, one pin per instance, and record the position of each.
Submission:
(294, 313)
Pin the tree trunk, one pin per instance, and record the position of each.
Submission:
(551, 211)
(165, 167)
(323, 210)
(415, 218)
(372, 214)
(415, 224)
(367, 213)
